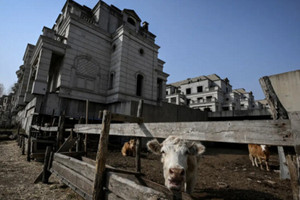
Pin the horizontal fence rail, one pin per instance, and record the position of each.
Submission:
(270, 132)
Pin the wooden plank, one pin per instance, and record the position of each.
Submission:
(277, 109)
(128, 189)
(61, 130)
(46, 173)
(110, 168)
(68, 144)
(161, 188)
(86, 122)
(29, 146)
(126, 118)
(73, 154)
(78, 166)
(112, 196)
(295, 174)
(98, 192)
(46, 129)
(77, 180)
(138, 140)
(284, 172)
(270, 132)
(292, 164)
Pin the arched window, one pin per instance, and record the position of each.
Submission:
(131, 21)
(139, 84)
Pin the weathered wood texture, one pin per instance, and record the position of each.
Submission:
(46, 173)
(138, 140)
(277, 109)
(101, 156)
(68, 144)
(271, 132)
(76, 165)
(128, 189)
(293, 169)
(79, 183)
(46, 129)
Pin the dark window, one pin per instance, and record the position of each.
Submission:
(167, 93)
(111, 80)
(209, 98)
(188, 91)
(188, 101)
(139, 85)
(173, 100)
(141, 51)
(159, 89)
(225, 108)
(131, 21)
(199, 89)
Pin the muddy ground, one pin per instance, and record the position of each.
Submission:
(225, 172)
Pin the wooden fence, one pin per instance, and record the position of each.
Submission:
(88, 178)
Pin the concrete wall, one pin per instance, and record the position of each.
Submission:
(287, 87)
(169, 113)
(240, 114)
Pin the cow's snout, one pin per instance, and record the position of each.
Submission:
(176, 172)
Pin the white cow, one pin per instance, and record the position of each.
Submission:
(179, 158)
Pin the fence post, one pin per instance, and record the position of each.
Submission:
(29, 146)
(86, 122)
(98, 192)
(61, 130)
(138, 140)
(46, 173)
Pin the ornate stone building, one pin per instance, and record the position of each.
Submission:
(104, 55)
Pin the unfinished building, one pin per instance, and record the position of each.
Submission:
(210, 93)
(104, 55)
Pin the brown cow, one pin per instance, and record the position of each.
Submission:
(128, 148)
(260, 153)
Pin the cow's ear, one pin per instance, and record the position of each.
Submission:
(154, 146)
(196, 149)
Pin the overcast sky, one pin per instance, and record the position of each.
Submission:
(242, 40)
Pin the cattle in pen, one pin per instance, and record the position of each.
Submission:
(180, 161)
(260, 153)
(128, 148)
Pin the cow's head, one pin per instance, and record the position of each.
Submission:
(132, 143)
(174, 156)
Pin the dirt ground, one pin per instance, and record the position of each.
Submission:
(17, 177)
(225, 172)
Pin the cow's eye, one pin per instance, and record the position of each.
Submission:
(186, 152)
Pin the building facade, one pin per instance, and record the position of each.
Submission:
(209, 93)
(104, 55)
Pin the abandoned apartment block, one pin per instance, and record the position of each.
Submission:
(210, 93)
